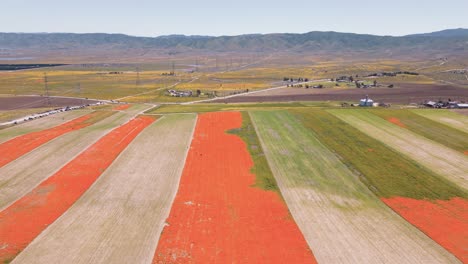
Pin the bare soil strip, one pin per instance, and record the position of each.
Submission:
(120, 218)
(442, 160)
(23, 174)
(403, 94)
(54, 196)
(342, 221)
(21, 102)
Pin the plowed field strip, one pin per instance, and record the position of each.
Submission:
(20, 176)
(19, 146)
(444, 161)
(218, 215)
(120, 218)
(441, 133)
(342, 221)
(446, 117)
(21, 222)
(39, 124)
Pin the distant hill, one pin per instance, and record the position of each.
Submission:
(447, 41)
(458, 32)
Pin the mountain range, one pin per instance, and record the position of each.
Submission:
(450, 41)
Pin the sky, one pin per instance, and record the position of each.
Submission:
(218, 17)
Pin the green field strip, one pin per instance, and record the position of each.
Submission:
(436, 157)
(385, 171)
(341, 219)
(446, 117)
(121, 216)
(439, 132)
(309, 155)
(137, 108)
(202, 108)
(263, 176)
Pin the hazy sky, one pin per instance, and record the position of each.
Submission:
(216, 17)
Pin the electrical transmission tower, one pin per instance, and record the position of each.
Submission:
(46, 88)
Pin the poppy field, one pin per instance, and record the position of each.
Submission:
(235, 185)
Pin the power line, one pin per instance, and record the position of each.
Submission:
(46, 88)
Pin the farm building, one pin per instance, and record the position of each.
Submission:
(366, 102)
(180, 93)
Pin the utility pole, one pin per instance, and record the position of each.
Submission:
(78, 91)
(173, 68)
(46, 88)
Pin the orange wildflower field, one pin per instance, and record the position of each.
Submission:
(218, 216)
(25, 219)
(443, 221)
(21, 145)
(121, 107)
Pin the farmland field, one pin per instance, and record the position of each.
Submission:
(446, 162)
(452, 119)
(341, 219)
(425, 199)
(284, 175)
(17, 179)
(8, 115)
(21, 145)
(13, 103)
(202, 108)
(39, 124)
(119, 219)
(402, 94)
(218, 215)
(428, 128)
(50, 199)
